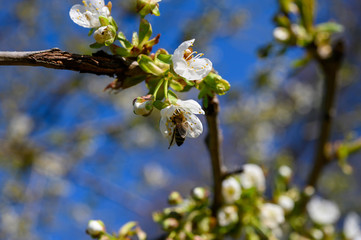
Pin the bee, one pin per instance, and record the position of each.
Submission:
(180, 130)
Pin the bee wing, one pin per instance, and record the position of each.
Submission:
(182, 129)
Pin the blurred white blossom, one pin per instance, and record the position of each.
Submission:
(155, 175)
(231, 190)
(281, 34)
(252, 176)
(285, 171)
(95, 227)
(286, 203)
(227, 215)
(351, 227)
(271, 215)
(323, 211)
(20, 126)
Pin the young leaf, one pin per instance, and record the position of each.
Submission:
(145, 31)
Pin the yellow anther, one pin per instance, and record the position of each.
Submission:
(77, 10)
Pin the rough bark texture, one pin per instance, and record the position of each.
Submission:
(99, 63)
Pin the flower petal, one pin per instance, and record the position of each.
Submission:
(195, 127)
(190, 106)
(202, 66)
(179, 52)
(77, 14)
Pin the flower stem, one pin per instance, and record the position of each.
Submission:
(157, 88)
(166, 81)
(214, 142)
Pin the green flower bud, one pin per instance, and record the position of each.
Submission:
(143, 105)
(199, 194)
(175, 198)
(105, 35)
(170, 224)
(145, 7)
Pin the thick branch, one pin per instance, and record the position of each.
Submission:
(214, 142)
(100, 63)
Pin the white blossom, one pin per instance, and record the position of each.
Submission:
(285, 171)
(323, 211)
(95, 227)
(87, 15)
(227, 215)
(231, 190)
(271, 215)
(181, 115)
(20, 125)
(286, 203)
(189, 64)
(281, 34)
(252, 176)
(351, 226)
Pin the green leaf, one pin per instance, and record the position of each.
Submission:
(160, 105)
(165, 58)
(148, 66)
(125, 229)
(104, 21)
(330, 27)
(301, 62)
(176, 85)
(307, 11)
(172, 97)
(123, 41)
(96, 45)
(135, 39)
(113, 23)
(91, 31)
(145, 32)
(119, 50)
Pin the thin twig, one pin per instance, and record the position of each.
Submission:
(214, 142)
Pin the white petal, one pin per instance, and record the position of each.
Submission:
(195, 127)
(82, 16)
(179, 52)
(202, 66)
(191, 106)
(163, 127)
(96, 3)
(351, 227)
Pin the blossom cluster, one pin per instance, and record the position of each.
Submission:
(164, 73)
(247, 212)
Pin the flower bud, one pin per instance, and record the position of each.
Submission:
(175, 198)
(145, 7)
(95, 228)
(281, 34)
(105, 34)
(170, 224)
(143, 105)
(199, 194)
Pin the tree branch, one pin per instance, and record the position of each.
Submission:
(99, 63)
(330, 68)
(214, 142)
